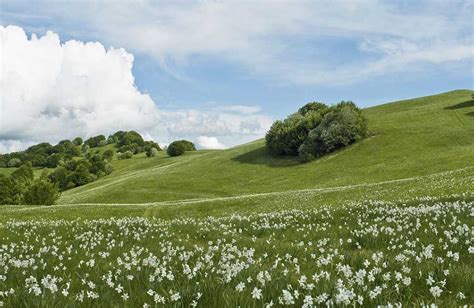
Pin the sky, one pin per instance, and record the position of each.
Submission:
(216, 72)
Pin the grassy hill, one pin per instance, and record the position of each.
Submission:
(388, 221)
(409, 138)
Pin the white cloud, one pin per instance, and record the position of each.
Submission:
(52, 91)
(286, 41)
(210, 143)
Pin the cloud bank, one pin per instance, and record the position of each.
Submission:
(328, 42)
(52, 90)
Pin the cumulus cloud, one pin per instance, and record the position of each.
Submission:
(210, 143)
(52, 90)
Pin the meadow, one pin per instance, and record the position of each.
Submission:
(387, 222)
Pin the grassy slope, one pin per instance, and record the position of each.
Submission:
(411, 138)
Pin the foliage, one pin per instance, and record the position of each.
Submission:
(108, 155)
(178, 147)
(93, 142)
(316, 129)
(125, 155)
(10, 192)
(150, 151)
(23, 174)
(14, 162)
(78, 141)
(41, 192)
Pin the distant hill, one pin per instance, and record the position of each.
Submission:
(410, 138)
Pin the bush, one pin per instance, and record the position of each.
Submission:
(14, 162)
(41, 192)
(125, 155)
(178, 147)
(108, 155)
(77, 141)
(23, 174)
(339, 128)
(10, 192)
(317, 129)
(60, 177)
(150, 152)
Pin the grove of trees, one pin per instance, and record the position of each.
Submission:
(75, 163)
(316, 129)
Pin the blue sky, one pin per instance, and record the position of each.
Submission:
(272, 56)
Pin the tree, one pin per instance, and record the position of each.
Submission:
(130, 138)
(41, 192)
(125, 155)
(60, 177)
(14, 162)
(10, 192)
(150, 152)
(108, 155)
(77, 141)
(24, 174)
(178, 147)
(316, 129)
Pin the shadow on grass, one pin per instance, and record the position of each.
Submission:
(470, 114)
(465, 104)
(261, 156)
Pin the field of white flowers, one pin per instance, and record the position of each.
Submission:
(373, 253)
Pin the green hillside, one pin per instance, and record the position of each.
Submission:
(409, 138)
(386, 222)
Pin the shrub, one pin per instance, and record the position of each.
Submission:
(130, 138)
(125, 155)
(41, 192)
(23, 174)
(150, 152)
(108, 155)
(94, 141)
(60, 177)
(339, 128)
(178, 147)
(77, 141)
(316, 129)
(10, 192)
(14, 162)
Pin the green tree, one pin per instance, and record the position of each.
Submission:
(23, 174)
(108, 155)
(178, 147)
(77, 141)
(10, 192)
(41, 192)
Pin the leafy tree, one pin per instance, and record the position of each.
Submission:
(130, 138)
(54, 160)
(10, 192)
(339, 128)
(125, 155)
(97, 164)
(316, 129)
(178, 147)
(60, 177)
(41, 192)
(77, 141)
(93, 142)
(14, 162)
(108, 155)
(150, 152)
(23, 174)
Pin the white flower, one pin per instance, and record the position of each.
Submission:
(256, 293)
(436, 291)
(240, 287)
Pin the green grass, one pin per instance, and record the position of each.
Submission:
(406, 194)
(410, 138)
